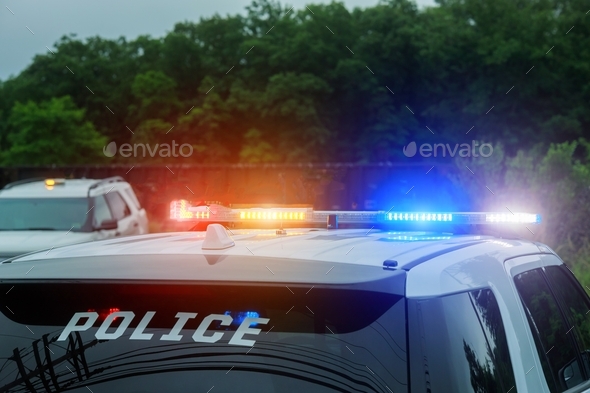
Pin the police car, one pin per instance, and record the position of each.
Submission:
(38, 214)
(414, 302)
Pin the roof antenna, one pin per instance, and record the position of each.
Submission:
(217, 238)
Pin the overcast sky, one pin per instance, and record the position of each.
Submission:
(28, 26)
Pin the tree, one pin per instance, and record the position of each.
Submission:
(51, 132)
(156, 94)
(204, 127)
(256, 149)
(290, 107)
(323, 83)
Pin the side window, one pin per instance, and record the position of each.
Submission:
(458, 344)
(554, 338)
(101, 211)
(575, 302)
(118, 206)
(131, 194)
(573, 299)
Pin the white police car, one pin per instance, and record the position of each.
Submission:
(38, 214)
(298, 310)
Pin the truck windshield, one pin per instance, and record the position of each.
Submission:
(138, 337)
(58, 214)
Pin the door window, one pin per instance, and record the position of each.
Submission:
(118, 206)
(555, 338)
(101, 211)
(574, 300)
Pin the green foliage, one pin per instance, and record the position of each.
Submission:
(323, 83)
(559, 187)
(553, 181)
(51, 132)
(290, 107)
(156, 93)
(256, 149)
(482, 178)
(579, 260)
(151, 132)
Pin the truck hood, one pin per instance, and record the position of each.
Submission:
(14, 243)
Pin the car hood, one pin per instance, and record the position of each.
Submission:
(14, 243)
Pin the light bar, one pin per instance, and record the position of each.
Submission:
(419, 217)
(408, 238)
(521, 218)
(181, 210)
(273, 214)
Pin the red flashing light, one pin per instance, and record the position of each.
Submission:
(103, 313)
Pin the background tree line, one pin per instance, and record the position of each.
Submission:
(317, 84)
(325, 84)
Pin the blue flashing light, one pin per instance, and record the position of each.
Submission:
(463, 218)
(442, 217)
(411, 238)
(239, 316)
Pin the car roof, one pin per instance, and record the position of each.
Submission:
(72, 188)
(304, 255)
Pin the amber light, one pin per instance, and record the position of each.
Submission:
(272, 215)
(54, 182)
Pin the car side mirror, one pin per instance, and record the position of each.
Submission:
(570, 375)
(107, 225)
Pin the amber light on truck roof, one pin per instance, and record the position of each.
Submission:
(49, 183)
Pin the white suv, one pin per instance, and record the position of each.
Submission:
(298, 310)
(37, 214)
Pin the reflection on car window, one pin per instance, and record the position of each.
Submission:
(554, 341)
(574, 299)
(118, 206)
(326, 341)
(459, 345)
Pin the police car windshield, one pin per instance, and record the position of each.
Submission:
(58, 214)
(194, 338)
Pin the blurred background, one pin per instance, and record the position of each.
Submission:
(309, 103)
